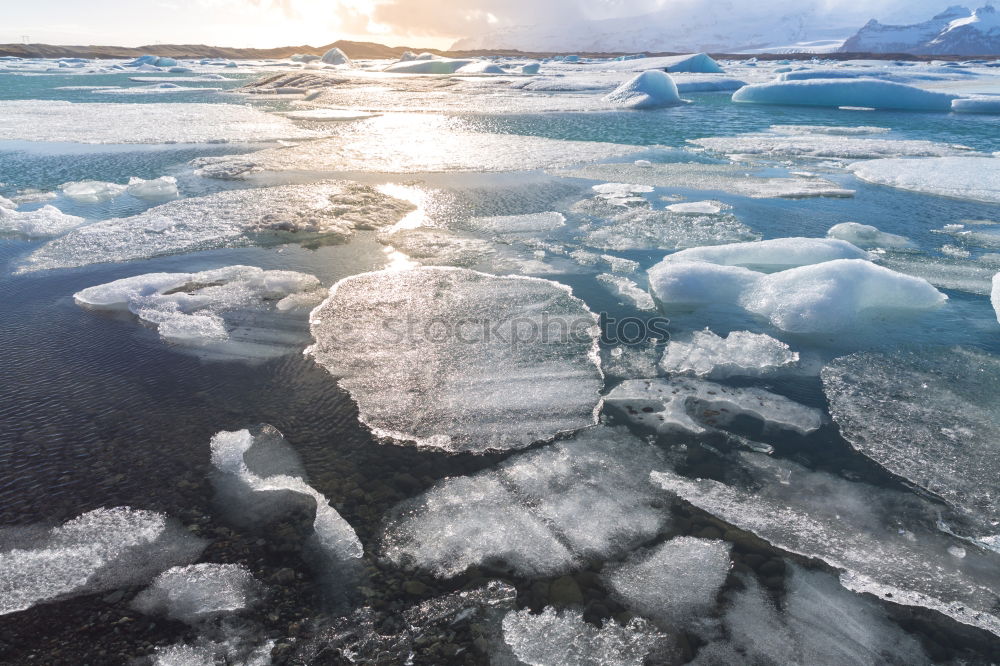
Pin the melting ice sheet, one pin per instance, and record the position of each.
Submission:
(974, 178)
(320, 213)
(884, 542)
(100, 550)
(539, 513)
(236, 312)
(930, 417)
(53, 121)
(415, 143)
(459, 360)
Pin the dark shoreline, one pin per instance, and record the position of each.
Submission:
(372, 50)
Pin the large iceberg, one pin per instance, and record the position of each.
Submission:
(319, 213)
(259, 478)
(99, 550)
(829, 296)
(459, 360)
(974, 178)
(539, 513)
(237, 311)
(649, 90)
(866, 93)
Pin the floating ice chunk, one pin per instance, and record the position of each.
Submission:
(41, 223)
(869, 93)
(321, 213)
(164, 187)
(696, 406)
(651, 89)
(428, 66)
(198, 592)
(515, 364)
(772, 255)
(995, 295)
(336, 115)
(944, 273)
(628, 290)
(820, 623)
(335, 57)
(225, 311)
(539, 513)
(975, 178)
(955, 252)
(642, 228)
(876, 537)
(48, 120)
(697, 283)
(564, 639)
(674, 582)
(692, 62)
(865, 235)
(260, 478)
(91, 191)
(698, 207)
(530, 68)
(154, 89)
(622, 194)
(741, 353)
(825, 145)
(976, 105)
(939, 430)
(516, 224)
(7, 203)
(480, 67)
(838, 295)
(100, 550)
(712, 177)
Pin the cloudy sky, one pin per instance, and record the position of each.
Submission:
(428, 23)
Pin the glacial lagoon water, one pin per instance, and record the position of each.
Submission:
(773, 514)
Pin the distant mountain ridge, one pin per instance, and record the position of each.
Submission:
(955, 31)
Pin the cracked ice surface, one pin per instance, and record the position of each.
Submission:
(321, 213)
(458, 360)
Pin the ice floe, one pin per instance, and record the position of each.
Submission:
(198, 592)
(825, 145)
(884, 542)
(741, 353)
(712, 177)
(48, 120)
(460, 360)
(91, 191)
(867, 236)
(434, 65)
(99, 550)
(696, 406)
(232, 312)
(538, 513)
(320, 213)
(259, 478)
(819, 622)
(940, 427)
(42, 222)
(516, 224)
(629, 290)
(829, 296)
(641, 227)
(563, 639)
(975, 178)
(976, 105)
(674, 582)
(943, 272)
(773, 255)
(651, 89)
(855, 92)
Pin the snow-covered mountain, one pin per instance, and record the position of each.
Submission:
(680, 27)
(956, 31)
